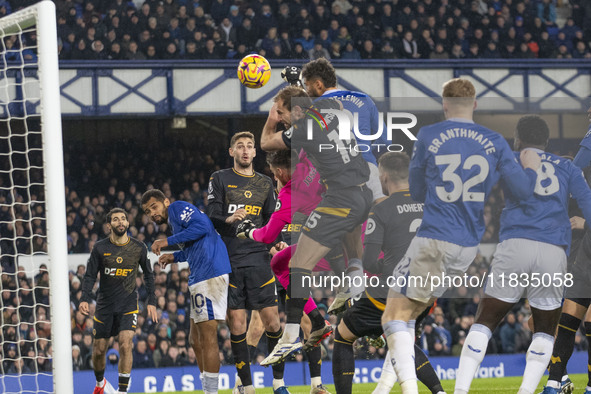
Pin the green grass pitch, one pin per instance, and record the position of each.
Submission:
(496, 385)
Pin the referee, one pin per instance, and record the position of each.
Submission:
(117, 258)
(235, 194)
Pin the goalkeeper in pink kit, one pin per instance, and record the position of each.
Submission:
(299, 194)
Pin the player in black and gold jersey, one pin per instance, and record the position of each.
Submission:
(236, 194)
(118, 259)
(390, 227)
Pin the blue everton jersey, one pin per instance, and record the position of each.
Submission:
(454, 166)
(368, 121)
(544, 216)
(201, 246)
(583, 157)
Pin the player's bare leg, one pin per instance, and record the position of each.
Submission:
(307, 255)
(237, 323)
(256, 329)
(126, 358)
(99, 361)
(270, 318)
(399, 311)
(205, 345)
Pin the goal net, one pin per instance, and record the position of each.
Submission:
(35, 339)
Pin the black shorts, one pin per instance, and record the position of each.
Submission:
(108, 324)
(579, 292)
(339, 212)
(252, 288)
(363, 317)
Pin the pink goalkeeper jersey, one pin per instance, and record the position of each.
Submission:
(301, 194)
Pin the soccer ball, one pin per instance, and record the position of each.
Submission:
(254, 71)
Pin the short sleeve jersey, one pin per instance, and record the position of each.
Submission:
(544, 216)
(454, 166)
(256, 195)
(338, 162)
(392, 224)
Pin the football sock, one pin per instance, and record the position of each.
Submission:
(315, 361)
(278, 382)
(343, 364)
(298, 295)
(241, 358)
(537, 358)
(315, 381)
(209, 382)
(402, 351)
(411, 328)
(100, 375)
(563, 349)
(124, 382)
(272, 339)
(317, 320)
(472, 355)
(337, 263)
(355, 272)
(588, 335)
(387, 378)
(425, 372)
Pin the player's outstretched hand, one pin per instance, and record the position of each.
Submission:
(152, 313)
(245, 229)
(530, 159)
(83, 308)
(165, 259)
(292, 75)
(237, 216)
(577, 223)
(159, 244)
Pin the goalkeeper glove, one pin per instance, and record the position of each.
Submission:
(292, 75)
(245, 229)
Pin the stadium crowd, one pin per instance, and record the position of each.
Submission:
(309, 29)
(94, 188)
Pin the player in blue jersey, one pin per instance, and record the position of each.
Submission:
(320, 81)
(535, 239)
(583, 157)
(453, 168)
(202, 247)
(577, 299)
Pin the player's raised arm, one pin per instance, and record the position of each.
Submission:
(581, 192)
(271, 140)
(417, 178)
(189, 218)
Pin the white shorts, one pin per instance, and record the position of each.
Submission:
(426, 261)
(209, 299)
(373, 183)
(525, 268)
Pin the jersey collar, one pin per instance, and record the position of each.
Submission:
(246, 176)
(460, 120)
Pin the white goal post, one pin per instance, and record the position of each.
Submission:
(41, 18)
